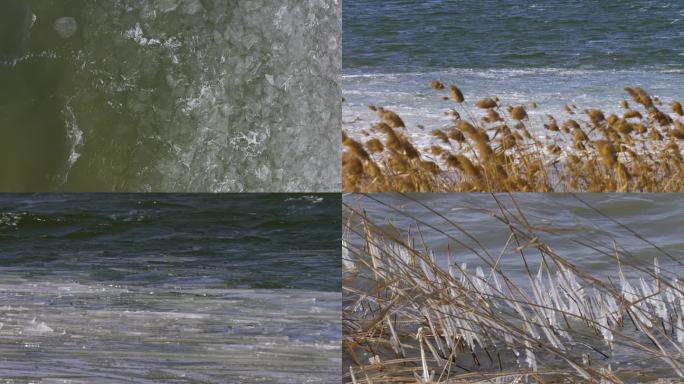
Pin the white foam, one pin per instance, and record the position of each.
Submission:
(410, 96)
(76, 140)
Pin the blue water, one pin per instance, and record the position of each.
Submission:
(415, 35)
(576, 223)
(550, 52)
(173, 288)
(205, 240)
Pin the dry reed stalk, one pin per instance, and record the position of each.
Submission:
(411, 317)
(498, 152)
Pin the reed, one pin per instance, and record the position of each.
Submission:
(412, 317)
(506, 150)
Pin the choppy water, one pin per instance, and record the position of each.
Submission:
(407, 35)
(170, 288)
(169, 95)
(550, 52)
(410, 96)
(656, 217)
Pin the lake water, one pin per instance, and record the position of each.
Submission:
(170, 288)
(656, 217)
(169, 95)
(550, 52)
(584, 229)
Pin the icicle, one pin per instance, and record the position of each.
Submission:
(347, 263)
(450, 266)
(351, 372)
(530, 358)
(464, 271)
(555, 296)
(607, 371)
(497, 283)
(446, 329)
(509, 340)
(394, 340)
(427, 315)
(475, 337)
(602, 319)
(427, 377)
(551, 337)
(375, 253)
(631, 295)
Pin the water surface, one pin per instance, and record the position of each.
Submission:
(564, 220)
(173, 95)
(598, 234)
(123, 288)
(550, 52)
(409, 35)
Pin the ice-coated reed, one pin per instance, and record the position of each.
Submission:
(411, 316)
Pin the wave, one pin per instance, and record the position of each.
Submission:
(52, 327)
(371, 73)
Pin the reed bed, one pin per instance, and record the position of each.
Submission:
(491, 147)
(411, 317)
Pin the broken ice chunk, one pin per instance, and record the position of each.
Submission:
(66, 27)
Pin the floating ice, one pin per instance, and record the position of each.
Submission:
(205, 332)
(66, 27)
(37, 328)
(211, 95)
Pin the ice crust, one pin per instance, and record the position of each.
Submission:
(211, 95)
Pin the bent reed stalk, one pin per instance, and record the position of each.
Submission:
(411, 317)
(638, 150)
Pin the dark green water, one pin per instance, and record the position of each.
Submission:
(169, 96)
(146, 288)
(216, 241)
